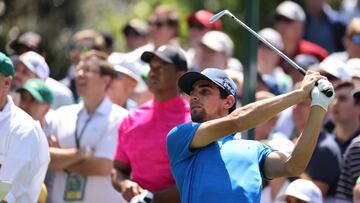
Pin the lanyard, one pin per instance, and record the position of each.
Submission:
(79, 136)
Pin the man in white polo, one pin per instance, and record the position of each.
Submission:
(24, 151)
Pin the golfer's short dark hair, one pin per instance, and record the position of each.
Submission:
(223, 95)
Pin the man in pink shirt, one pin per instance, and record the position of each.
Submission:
(141, 149)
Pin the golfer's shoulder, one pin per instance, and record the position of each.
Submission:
(183, 129)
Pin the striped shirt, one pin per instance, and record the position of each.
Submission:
(350, 171)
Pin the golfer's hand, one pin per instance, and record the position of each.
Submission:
(130, 189)
(309, 81)
(318, 97)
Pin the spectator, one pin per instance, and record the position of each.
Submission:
(126, 82)
(334, 70)
(87, 127)
(82, 41)
(345, 115)
(136, 34)
(350, 170)
(216, 49)
(351, 42)
(268, 60)
(323, 26)
(289, 22)
(205, 152)
(36, 99)
(164, 26)
(199, 24)
(133, 174)
(302, 190)
(28, 41)
(32, 65)
(24, 149)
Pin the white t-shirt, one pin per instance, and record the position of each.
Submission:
(100, 134)
(24, 154)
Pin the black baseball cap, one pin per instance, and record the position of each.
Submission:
(215, 75)
(168, 53)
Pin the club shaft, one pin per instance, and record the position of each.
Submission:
(291, 62)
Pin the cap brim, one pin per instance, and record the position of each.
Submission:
(148, 55)
(33, 93)
(293, 194)
(141, 85)
(187, 81)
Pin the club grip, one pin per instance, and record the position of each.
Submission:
(327, 92)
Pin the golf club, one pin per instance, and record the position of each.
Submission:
(217, 16)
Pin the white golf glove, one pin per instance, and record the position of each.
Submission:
(144, 197)
(320, 99)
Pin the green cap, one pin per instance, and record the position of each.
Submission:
(6, 66)
(38, 89)
(358, 180)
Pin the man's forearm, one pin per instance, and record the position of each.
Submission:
(255, 113)
(62, 158)
(92, 166)
(305, 146)
(245, 118)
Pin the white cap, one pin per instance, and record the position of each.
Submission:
(128, 69)
(353, 67)
(36, 63)
(218, 41)
(303, 189)
(273, 37)
(291, 10)
(335, 67)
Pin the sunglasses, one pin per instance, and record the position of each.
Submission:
(118, 75)
(80, 47)
(197, 26)
(355, 38)
(160, 24)
(280, 18)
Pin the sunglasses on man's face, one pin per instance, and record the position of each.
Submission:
(160, 24)
(80, 47)
(197, 26)
(355, 38)
(118, 75)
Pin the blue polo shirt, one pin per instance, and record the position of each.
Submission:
(228, 170)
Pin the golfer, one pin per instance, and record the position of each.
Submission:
(211, 164)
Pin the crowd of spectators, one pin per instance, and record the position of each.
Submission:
(106, 122)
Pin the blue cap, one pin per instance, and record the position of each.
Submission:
(215, 75)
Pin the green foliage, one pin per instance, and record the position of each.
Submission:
(57, 20)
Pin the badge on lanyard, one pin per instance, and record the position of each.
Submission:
(74, 187)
